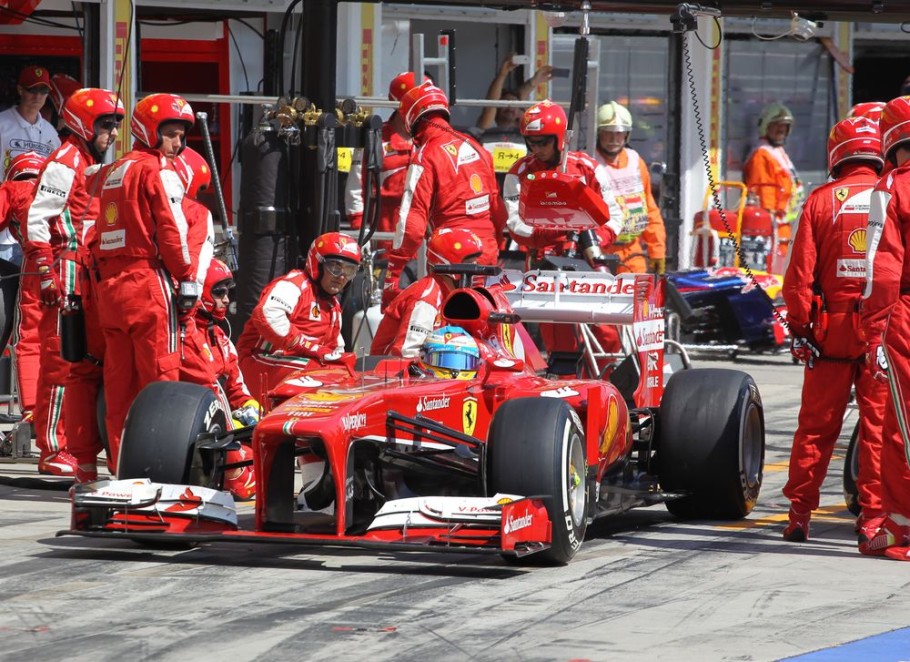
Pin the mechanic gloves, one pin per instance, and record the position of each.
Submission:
(877, 360)
(805, 350)
(248, 413)
(48, 279)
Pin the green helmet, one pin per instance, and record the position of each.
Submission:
(773, 112)
(614, 117)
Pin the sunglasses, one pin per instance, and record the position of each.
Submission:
(39, 89)
(109, 125)
(339, 268)
(538, 142)
(218, 292)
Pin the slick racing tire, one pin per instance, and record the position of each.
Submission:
(536, 447)
(159, 438)
(851, 473)
(711, 443)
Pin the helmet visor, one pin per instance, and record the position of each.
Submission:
(450, 360)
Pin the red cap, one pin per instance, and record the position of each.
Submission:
(33, 75)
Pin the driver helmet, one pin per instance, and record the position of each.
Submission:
(545, 119)
(450, 353)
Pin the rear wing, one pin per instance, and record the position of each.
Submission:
(571, 297)
(594, 297)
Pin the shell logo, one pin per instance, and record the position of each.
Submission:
(90, 103)
(154, 109)
(612, 426)
(110, 213)
(857, 240)
(476, 183)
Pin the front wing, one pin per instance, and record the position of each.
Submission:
(143, 511)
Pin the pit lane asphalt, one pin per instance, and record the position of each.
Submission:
(642, 586)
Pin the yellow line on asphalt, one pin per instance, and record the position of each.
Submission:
(824, 514)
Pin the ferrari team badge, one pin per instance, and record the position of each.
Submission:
(841, 193)
(469, 415)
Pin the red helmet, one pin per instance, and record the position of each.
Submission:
(453, 246)
(870, 109)
(24, 166)
(194, 171)
(218, 274)
(854, 139)
(155, 110)
(545, 119)
(86, 106)
(62, 86)
(420, 100)
(403, 83)
(331, 244)
(895, 124)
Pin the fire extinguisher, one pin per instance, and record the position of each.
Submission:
(72, 329)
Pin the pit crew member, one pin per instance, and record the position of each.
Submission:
(396, 155)
(450, 183)
(144, 260)
(15, 196)
(53, 234)
(885, 323)
(770, 175)
(823, 285)
(298, 318)
(415, 312)
(211, 318)
(643, 234)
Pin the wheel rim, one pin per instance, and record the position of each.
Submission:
(751, 452)
(575, 479)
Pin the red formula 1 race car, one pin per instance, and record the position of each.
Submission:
(508, 461)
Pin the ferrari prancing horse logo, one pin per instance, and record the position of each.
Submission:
(841, 194)
(469, 415)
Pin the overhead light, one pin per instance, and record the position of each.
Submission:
(802, 29)
(555, 19)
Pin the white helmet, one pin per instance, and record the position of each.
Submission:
(773, 112)
(614, 117)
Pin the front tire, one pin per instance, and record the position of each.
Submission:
(159, 438)
(537, 447)
(711, 443)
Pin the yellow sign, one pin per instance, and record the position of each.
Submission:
(345, 158)
(469, 415)
(505, 155)
(841, 193)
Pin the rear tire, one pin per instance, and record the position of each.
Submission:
(711, 443)
(159, 438)
(536, 447)
(851, 473)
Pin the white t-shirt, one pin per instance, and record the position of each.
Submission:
(17, 136)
